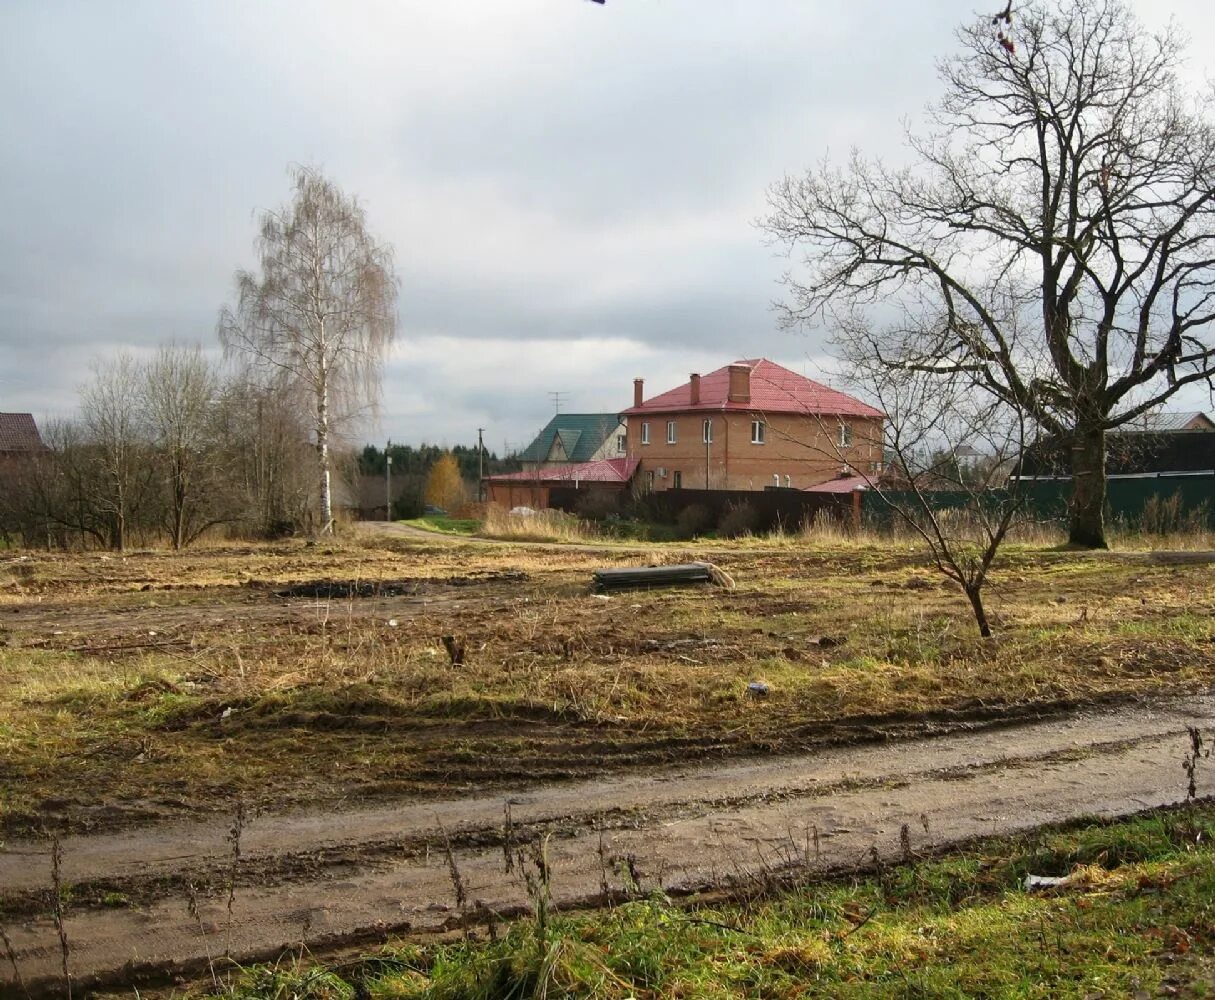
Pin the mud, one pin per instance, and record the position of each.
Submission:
(332, 589)
(352, 875)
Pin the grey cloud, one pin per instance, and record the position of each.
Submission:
(551, 172)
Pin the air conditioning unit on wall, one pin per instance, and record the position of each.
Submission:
(661, 473)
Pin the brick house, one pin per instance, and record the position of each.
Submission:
(750, 425)
(575, 438)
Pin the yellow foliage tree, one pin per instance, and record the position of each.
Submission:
(444, 487)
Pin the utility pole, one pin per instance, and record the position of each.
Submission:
(387, 482)
(480, 465)
(708, 436)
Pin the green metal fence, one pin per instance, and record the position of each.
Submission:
(1153, 504)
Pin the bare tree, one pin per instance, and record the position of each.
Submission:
(937, 424)
(265, 432)
(322, 311)
(1058, 222)
(180, 396)
(113, 468)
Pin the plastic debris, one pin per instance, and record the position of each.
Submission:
(1033, 882)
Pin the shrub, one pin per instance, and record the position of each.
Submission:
(1167, 516)
(739, 519)
(693, 520)
(597, 505)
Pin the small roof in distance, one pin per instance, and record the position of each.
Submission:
(1180, 420)
(19, 433)
(606, 470)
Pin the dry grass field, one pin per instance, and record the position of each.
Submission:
(156, 684)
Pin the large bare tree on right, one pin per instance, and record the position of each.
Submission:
(1054, 235)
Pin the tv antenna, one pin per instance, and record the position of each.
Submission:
(558, 398)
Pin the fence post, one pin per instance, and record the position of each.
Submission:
(856, 509)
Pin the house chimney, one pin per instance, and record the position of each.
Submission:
(740, 384)
(638, 390)
(694, 382)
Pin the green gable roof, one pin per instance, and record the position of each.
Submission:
(577, 437)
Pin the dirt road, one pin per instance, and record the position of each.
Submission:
(328, 878)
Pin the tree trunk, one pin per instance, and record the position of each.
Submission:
(975, 595)
(1087, 513)
(322, 430)
(179, 524)
(322, 449)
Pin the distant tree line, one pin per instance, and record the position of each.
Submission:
(413, 466)
(410, 460)
(162, 450)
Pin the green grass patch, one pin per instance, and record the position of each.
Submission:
(1140, 906)
(445, 524)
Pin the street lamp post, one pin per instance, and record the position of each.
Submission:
(387, 485)
(480, 466)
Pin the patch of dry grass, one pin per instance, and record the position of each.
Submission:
(539, 526)
(157, 683)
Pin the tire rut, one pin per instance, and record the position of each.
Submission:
(351, 875)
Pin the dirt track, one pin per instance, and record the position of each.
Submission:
(340, 876)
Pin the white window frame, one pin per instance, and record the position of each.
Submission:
(622, 443)
(845, 435)
(670, 432)
(707, 431)
(757, 431)
(645, 432)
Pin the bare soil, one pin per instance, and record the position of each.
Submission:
(323, 879)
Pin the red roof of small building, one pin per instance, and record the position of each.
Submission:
(607, 470)
(844, 485)
(18, 432)
(774, 389)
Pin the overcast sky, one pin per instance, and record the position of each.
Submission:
(570, 188)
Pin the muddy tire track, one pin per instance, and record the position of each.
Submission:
(354, 874)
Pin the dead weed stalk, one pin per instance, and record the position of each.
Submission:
(11, 954)
(235, 833)
(1198, 751)
(57, 909)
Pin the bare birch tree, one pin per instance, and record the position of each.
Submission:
(322, 310)
(1057, 221)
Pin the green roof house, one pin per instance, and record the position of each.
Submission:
(575, 437)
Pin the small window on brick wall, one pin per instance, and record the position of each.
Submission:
(757, 432)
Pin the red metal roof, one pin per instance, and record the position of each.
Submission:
(845, 485)
(774, 389)
(18, 432)
(607, 470)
